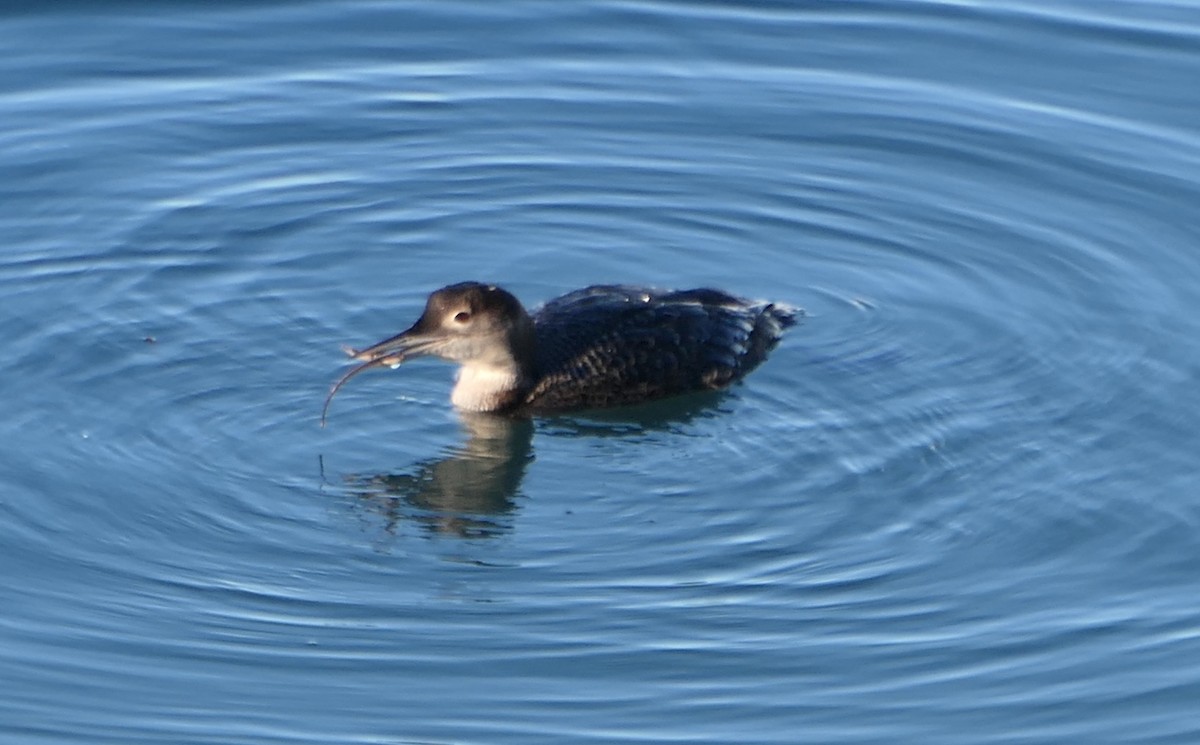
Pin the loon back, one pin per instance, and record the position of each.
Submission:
(610, 345)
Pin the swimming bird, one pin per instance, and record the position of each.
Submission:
(602, 346)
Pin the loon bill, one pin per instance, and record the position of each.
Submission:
(602, 346)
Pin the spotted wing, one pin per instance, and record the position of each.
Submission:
(617, 344)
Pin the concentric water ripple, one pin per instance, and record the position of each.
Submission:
(956, 501)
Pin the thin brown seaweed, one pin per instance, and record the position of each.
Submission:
(390, 360)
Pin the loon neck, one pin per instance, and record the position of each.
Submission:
(484, 387)
(499, 379)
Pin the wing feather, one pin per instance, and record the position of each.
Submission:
(608, 345)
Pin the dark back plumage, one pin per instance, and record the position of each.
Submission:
(609, 345)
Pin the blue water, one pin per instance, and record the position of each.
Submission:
(958, 504)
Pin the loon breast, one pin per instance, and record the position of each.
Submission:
(602, 346)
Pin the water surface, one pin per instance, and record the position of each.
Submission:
(957, 505)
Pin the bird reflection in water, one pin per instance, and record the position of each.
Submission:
(469, 492)
(473, 490)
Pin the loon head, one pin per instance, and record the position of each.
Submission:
(483, 328)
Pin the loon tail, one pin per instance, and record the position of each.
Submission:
(769, 323)
(784, 315)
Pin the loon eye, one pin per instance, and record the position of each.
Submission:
(462, 316)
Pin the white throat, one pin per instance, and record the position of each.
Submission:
(484, 387)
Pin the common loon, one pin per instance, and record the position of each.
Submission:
(605, 345)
